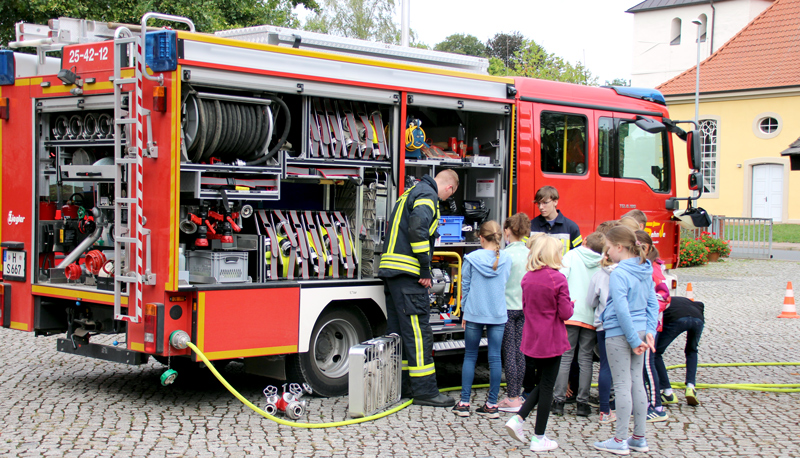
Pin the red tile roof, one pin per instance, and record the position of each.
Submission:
(764, 54)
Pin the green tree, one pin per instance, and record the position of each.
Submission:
(363, 19)
(618, 82)
(207, 15)
(504, 46)
(533, 61)
(462, 43)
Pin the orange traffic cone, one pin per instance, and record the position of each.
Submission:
(689, 292)
(789, 310)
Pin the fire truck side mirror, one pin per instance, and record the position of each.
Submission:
(693, 149)
(695, 183)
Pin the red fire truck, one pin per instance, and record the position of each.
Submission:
(236, 186)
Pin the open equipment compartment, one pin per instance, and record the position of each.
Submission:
(453, 131)
(303, 204)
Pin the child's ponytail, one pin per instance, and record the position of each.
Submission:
(622, 235)
(490, 230)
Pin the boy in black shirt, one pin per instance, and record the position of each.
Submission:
(552, 222)
(682, 315)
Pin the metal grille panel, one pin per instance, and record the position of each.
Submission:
(375, 367)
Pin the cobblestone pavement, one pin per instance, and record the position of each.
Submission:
(54, 404)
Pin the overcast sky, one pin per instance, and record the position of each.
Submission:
(595, 32)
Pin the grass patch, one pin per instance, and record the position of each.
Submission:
(786, 233)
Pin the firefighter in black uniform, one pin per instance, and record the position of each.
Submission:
(405, 269)
(552, 222)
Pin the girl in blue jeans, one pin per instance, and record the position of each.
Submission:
(483, 284)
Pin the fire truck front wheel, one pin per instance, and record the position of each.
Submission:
(326, 365)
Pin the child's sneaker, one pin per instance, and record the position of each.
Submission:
(507, 405)
(488, 412)
(462, 410)
(638, 445)
(514, 428)
(542, 445)
(671, 399)
(611, 445)
(654, 416)
(607, 417)
(691, 396)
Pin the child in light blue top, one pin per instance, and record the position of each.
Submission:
(483, 303)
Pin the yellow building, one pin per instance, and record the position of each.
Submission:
(749, 112)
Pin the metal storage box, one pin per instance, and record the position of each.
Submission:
(217, 266)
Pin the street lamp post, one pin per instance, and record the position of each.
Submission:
(697, 83)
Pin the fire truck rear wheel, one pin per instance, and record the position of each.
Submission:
(326, 365)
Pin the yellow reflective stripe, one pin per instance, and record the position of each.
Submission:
(410, 260)
(417, 340)
(421, 374)
(403, 267)
(577, 241)
(435, 223)
(421, 247)
(421, 371)
(427, 202)
(398, 213)
(405, 364)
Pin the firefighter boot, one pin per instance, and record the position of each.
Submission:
(440, 400)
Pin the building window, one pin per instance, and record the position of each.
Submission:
(768, 125)
(675, 32)
(703, 27)
(708, 148)
(563, 139)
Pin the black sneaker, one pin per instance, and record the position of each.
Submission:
(557, 408)
(488, 412)
(462, 410)
(584, 410)
(593, 401)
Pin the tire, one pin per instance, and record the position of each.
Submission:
(326, 365)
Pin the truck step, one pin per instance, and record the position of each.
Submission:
(454, 346)
(105, 352)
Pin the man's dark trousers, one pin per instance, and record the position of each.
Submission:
(408, 313)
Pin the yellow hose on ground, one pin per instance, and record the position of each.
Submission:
(766, 387)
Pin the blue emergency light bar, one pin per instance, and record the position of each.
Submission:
(651, 95)
(162, 50)
(7, 71)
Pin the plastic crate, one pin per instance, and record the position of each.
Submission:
(217, 266)
(450, 229)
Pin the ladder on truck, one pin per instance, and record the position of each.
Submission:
(132, 240)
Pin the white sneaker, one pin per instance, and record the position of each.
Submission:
(514, 428)
(542, 445)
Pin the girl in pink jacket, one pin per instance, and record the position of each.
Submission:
(546, 304)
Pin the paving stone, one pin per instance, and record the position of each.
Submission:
(55, 404)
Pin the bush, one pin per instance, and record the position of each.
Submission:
(692, 253)
(715, 245)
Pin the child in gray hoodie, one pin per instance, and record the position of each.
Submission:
(483, 302)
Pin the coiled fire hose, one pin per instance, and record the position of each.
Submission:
(769, 387)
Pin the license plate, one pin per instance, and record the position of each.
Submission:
(14, 264)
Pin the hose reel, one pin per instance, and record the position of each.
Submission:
(232, 128)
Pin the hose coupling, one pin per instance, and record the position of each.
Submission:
(179, 339)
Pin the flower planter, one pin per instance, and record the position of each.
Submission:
(713, 257)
